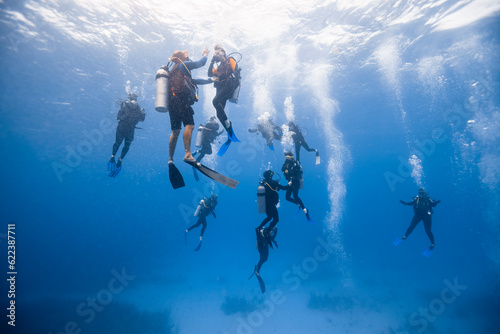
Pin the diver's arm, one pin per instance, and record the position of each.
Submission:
(211, 68)
(407, 203)
(191, 65)
(433, 204)
(202, 81)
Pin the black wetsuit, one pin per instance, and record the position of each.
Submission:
(292, 171)
(272, 198)
(129, 115)
(422, 207)
(209, 135)
(207, 207)
(299, 140)
(263, 243)
(225, 86)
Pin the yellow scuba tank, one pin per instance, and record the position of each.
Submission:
(162, 98)
(261, 198)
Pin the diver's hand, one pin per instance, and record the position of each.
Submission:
(289, 183)
(206, 51)
(402, 202)
(437, 202)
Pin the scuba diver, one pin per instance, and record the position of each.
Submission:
(268, 130)
(422, 208)
(205, 207)
(293, 174)
(263, 244)
(208, 135)
(182, 92)
(269, 198)
(299, 141)
(129, 115)
(227, 79)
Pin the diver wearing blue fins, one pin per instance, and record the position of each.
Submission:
(226, 72)
(129, 115)
(205, 208)
(423, 209)
(292, 170)
(176, 92)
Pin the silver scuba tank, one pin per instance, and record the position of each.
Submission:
(261, 199)
(198, 209)
(236, 93)
(301, 178)
(199, 136)
(162, 98)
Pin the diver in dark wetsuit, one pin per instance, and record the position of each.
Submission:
(293, 173)
(205, 207)
(209, 135)
(272, 198)
(129, 115)
(227, 80)
(422, 207)
(268, 130)
(299, 140)
(263, 244)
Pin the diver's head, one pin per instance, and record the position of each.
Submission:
(132, 96)
(219, 53)
(213, 198)
(289, 155)
(421, 192)
(179, 56)
(268, 174)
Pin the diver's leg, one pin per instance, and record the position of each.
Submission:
(297, 151)
(264, 254)
(428, 228)
(118, 140)
(267, 219)
(308, 149)
(188, 132)
(172, 143)
(204, 226)
(198, 223)
(296, 187)
(415, 220)
(275, 217)
(288, 195)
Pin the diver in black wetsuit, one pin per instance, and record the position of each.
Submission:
(293, 173)
(422, 207)
(264, 241)
(272, 198)
(209, 135)
(205, 207)
(129, 115)
(227, 80)
(268, 130)
(299, 140)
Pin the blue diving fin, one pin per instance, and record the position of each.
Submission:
(397, 241)
(224, 148)
(428, 251)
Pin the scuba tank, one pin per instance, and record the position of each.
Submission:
(261, 198)
(162, 98)
(199, 136)
(236, 93)
(198, 209)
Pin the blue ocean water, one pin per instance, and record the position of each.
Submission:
(395, 95)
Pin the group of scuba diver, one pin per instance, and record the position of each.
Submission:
(176, 92)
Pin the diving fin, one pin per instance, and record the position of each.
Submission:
(261, 283)
(175, 176)
(212, 174)
(116, 168)
(428, 251)
(185, 237)
(224, 148)
(199, 246)
(271, 147)
(254, 271)
(397, 241)
(111, 166)
(230, 133)
(318, 159)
